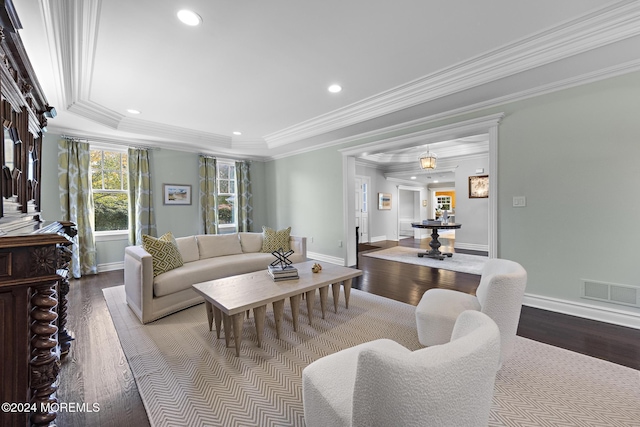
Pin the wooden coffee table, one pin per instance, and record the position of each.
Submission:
(228, 299)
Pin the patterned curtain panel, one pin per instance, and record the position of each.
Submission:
(76, 200)
(208, 194)
(141, 216)
(245, 216)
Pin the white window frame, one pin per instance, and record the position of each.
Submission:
(110, 235)
(232, 164)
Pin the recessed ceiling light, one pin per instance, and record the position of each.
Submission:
(335, 88)
(436, 181)
(189, 17)
(237, 133)
(413, 177)
(133, 111)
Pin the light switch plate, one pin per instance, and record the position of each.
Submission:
(519, 201)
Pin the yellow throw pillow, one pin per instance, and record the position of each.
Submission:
(164, 252)
(273, 240)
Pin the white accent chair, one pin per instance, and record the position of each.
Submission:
(499, 295)
(382, 383)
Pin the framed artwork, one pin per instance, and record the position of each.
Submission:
(384, 201)
(177, 194)
(479, 187)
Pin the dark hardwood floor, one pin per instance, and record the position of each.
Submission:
(96, 371)
(407, 283)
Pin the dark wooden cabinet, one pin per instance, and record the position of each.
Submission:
(34, 257)
(32, 279)
(24, 111)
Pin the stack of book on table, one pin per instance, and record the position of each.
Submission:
(279, 273)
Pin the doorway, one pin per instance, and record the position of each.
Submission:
(408, 211)
(362, 189)
(487, 124)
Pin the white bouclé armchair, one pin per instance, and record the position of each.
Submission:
(381, 383)
(499, 295)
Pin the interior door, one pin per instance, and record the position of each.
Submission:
(362, 207)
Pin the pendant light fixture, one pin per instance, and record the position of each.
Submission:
(428, 160)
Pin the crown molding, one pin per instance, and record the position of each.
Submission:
(248, 144)
(613, 23)
(408, 184)
(149, 143)
(441, 153)
(95, 112)
(72, 27)
(444, 165)
(606, 73)
(451, 131)
(173, 133)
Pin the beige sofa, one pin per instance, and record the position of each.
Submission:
(206, 257)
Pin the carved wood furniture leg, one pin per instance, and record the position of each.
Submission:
(278, 311)
(217, 315)
(335, 287)
(227, 329)
(311, 297)
(258, 315)
(324, 292)
(295, 309)
(45, 363)
(238, 321)
(64, 260)
(347, 291)
(209, 308)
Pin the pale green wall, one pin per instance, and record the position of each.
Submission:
(305, 192)
(573, 154)
(167, 167)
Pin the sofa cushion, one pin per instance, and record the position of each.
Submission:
(213, 268)
(209, 269)
(214, 245)
(164, 252)
(273, 240)
(250, 242)
(188, 247)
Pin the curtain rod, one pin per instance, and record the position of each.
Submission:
(108, 141)
(211, 156)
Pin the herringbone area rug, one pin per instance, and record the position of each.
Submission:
(187, 377)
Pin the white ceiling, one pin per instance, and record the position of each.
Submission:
(402, 164)
(263, 68)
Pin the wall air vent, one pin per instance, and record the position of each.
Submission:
(612, 293)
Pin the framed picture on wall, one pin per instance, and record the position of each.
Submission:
(384, 201)
(177, 194)
(479, 187)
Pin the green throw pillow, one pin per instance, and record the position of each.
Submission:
(164, 252)
(273, 240)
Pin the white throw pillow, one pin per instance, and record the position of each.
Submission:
(188, 247)
(251, 242)
(213, 245)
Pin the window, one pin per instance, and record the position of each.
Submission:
(365, 197)
(227, 209)
(109, 184)
(444, 202)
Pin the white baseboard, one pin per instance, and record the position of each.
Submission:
(111, 266)
(377, 239)
(471, 247)
(325, 258)
(586, 311)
